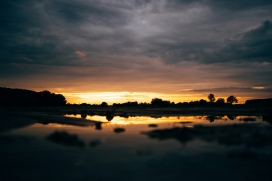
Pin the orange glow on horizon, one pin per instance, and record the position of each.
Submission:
(122, 97)
(140, 97)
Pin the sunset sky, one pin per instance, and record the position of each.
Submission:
(134, 50)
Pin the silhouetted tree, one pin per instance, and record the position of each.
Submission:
(220, 101)
(232, 99)
(104, 104)
(21, 97)
(50, 99)
(202, 102)
(160, 103)
(259, 102)
(211, 97)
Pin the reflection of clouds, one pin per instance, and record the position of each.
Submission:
(8, 139)
(66, 139)
(95, 143)
(243, 155)
(9, 122)
(143, 152)
(268, 118)
(250, 135)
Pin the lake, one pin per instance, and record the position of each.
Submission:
(137, 148)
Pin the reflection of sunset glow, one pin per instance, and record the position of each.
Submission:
(134, 120)
(121, 97)
(144, 119)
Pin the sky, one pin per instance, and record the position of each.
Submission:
(135, 50)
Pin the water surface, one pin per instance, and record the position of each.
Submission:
(138, 148)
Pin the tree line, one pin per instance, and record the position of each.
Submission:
(22, 97)
(231, 99)
(212, 102)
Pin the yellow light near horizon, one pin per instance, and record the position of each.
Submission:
(121, 97)
(258, 87)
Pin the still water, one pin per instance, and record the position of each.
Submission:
(138, 148)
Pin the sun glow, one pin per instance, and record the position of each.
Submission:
(121, 97)
(258, 87)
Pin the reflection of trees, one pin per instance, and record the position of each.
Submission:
(83, 114)
(211, 118)
(156, 117)
(98, 126)
(124, 115)
(248, 119)
(231, 117)
(109, 115)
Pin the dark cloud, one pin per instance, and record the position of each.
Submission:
(25, 34)
(235, 89)
(76, 12)
(254, 45)
(49, 32)
(227, 4)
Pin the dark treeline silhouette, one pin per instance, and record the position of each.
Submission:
(21, 97)
(157, 102)
(126, 104)
(259, 102)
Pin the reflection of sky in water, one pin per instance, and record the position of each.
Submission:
(219, 150)
(168, 119)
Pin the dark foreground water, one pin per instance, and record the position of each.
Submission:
(138, 148)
